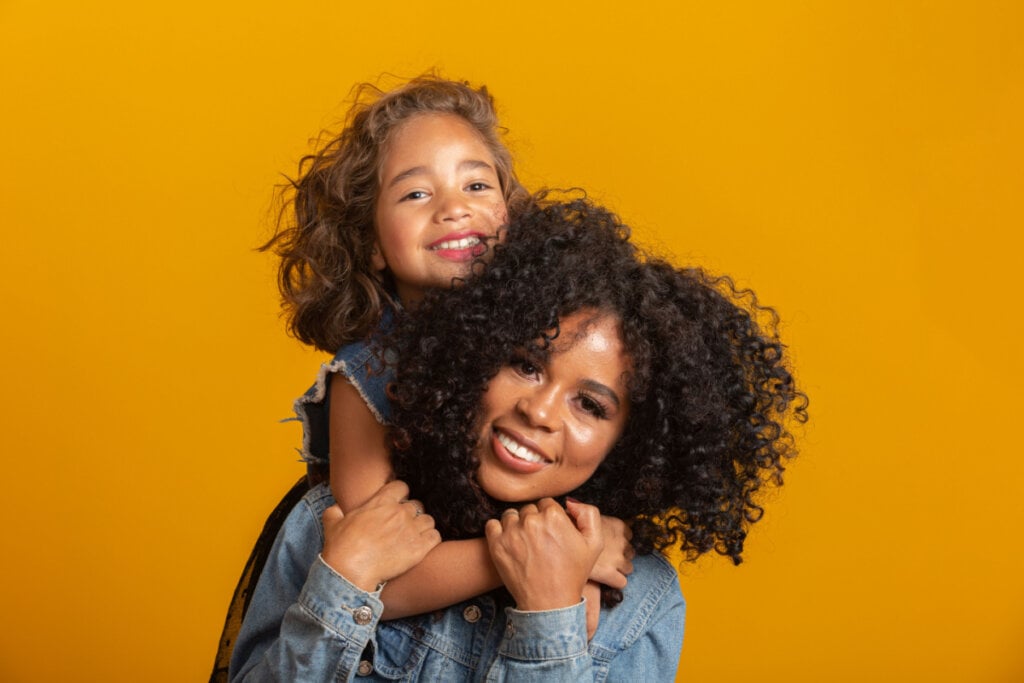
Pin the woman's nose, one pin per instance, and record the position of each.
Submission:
(540, 408)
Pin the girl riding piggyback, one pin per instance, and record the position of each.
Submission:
(404, 198)
(416, 187)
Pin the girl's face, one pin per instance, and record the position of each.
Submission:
(439, 200)
(547, 424)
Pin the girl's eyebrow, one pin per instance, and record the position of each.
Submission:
(466, 165)
(598, 388)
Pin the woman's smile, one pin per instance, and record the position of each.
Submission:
(548, 423)
(516, 454)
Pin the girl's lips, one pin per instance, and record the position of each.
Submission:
(514, 453)
(462, 246)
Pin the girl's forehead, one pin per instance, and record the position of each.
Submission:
(422, 136)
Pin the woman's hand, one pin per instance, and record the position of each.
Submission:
(380, 539)
(543, 555)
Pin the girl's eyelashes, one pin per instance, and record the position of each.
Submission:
(415, 194)
(478, 186)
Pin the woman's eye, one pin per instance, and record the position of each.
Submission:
(593, 407)
(525, 367)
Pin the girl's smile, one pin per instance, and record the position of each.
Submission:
(549, 423)
(440, 201)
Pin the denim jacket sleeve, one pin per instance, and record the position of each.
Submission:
(640, 642)
(305, 622)
(544, 646)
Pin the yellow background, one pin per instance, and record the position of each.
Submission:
(858, 163)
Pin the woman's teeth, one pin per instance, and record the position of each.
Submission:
(464, 243)
(518, 450)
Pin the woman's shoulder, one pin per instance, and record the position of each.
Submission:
(318, 499)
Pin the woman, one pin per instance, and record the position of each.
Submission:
(647, 391)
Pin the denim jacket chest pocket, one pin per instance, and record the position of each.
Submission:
(448, 645)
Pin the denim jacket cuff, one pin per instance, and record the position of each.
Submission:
(548, 634)
(338, 604)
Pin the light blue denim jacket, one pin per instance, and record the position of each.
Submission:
(307, 623)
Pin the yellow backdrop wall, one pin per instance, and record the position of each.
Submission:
(858, 163)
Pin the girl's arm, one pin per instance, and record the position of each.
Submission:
(360, 461)
(361, 464)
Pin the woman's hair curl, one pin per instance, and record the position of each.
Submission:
(711, 396)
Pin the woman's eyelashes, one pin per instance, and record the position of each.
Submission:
(593, 406)
(525, 367)
(588, 403)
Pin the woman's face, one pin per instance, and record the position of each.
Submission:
(547, 423)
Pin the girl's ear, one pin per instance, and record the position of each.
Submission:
(377, 257)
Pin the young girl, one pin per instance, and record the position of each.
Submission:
(415, 187)
(643, 389)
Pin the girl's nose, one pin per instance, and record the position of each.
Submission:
(453, 207)
(540, 408)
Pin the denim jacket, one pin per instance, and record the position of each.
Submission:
(307, 623)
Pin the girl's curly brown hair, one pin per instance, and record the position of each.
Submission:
(711, 394)
(330, 291)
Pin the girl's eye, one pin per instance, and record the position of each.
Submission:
(593, 406)
(478, 186)
(415, 194)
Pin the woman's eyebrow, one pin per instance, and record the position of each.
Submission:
(598, 388)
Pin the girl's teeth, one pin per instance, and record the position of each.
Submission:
(518, 450)
(464, 243)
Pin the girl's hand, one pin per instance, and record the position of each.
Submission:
(615, 562)
(380, 539)
(543, 555)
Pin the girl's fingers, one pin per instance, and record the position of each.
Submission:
(395, 491)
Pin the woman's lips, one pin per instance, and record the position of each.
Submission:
(515, 454)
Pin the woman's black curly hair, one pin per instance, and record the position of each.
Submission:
(711, 395)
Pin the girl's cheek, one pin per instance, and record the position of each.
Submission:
(500, 214)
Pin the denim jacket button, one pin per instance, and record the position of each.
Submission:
(365, 668)
(471, 614)
(363, 615)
